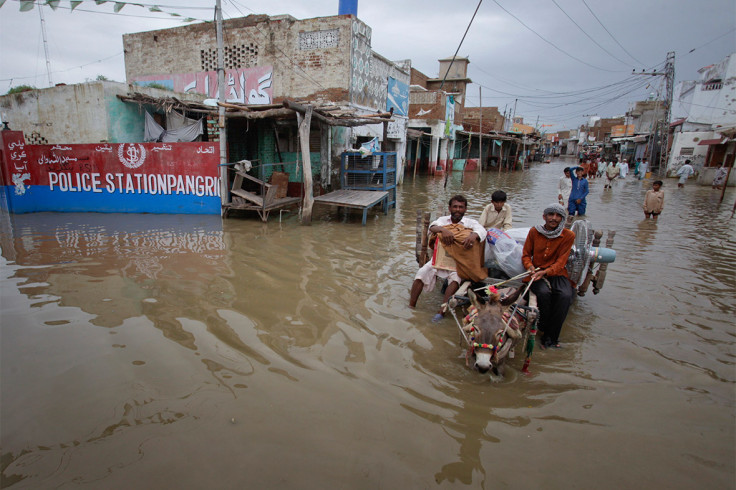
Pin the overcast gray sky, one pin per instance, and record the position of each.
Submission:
(559, 60)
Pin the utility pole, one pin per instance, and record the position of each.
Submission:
(45, 43)
(669, 74)
(480, 129)
(224, 193)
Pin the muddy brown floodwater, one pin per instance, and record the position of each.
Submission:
(189, 352)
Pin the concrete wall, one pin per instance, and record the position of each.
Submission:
(681, 145)
(310, 57)
(707, 174)
(714, 103)
(76, 114)
(63, 114)
(644, 115)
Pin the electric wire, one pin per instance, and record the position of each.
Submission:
(65, 70)
(461, 43)
(609, 33)
(558, 95)
(301, 71)
(711, 41)
(588, 35)
(551, 43)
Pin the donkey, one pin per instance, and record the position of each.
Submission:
(490, 338)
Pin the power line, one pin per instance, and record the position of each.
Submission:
(712, 40)
(458, 46)
(557, 95)
(550, 42)
(301, 71)
(63, 71)
(609, 33)
(588, 35)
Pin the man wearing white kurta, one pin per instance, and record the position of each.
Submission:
(684, 173)
(564, 187)
(427, 275)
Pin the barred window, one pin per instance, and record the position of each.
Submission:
(713, 84)
(236, 56)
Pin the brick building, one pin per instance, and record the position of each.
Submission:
(492, 119)
(437, 113)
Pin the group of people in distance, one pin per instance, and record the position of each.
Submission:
(545, 253)
(573, 187)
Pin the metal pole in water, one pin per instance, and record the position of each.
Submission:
(224, 195)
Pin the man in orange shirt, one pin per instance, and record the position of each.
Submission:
(547, 248)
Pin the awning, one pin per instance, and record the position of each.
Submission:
(678, 122)
(640, 139)
(711, 142)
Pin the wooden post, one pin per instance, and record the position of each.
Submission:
(423, 252)
(384, 142)
(419, 154)
(306, 166)
(500, 157)
(725, 184)
(470, 146)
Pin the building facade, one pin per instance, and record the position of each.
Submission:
(84, 113)
(436, 109)
(326, 60)
(708, 107)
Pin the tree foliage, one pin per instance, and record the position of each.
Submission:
(20, 88)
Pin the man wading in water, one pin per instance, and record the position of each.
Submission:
(462, 239)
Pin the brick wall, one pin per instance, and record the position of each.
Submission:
(308, 56)
(492, 119)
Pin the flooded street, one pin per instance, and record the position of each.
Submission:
(189, 352)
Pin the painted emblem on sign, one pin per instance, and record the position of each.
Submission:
(131, 155)
(20, 188)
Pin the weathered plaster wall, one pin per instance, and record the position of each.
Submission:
(685, 147)
(63, 114)
(309, 57)
(77, 114)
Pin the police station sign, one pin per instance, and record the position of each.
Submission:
(126, 177)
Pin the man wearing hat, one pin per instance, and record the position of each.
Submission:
(545, 254)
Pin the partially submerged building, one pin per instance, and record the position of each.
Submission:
(436, 113)
(326, 62)
(90, 112)
(707, 112)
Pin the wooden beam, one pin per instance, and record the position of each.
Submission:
(264, 114)
(306, 164)
(295, 106)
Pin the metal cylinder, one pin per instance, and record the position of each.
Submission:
(348, 7)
